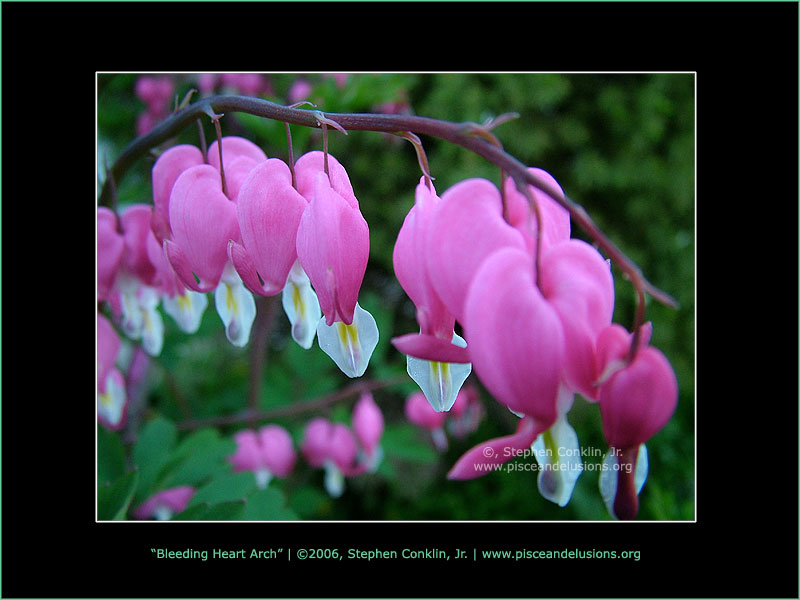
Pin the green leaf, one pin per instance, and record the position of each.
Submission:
(230, 486)
(110, 456)
(151, 453)
(268, 505)
(309, 502)
(198, 457)
(114, 499)
(221, 511)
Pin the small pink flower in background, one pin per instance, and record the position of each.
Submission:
(206, 83)
(112, 402)
(636, 401)
(267, 453)
(163, 505)
(466, 413)
(300, 90)
(155, 91)
(339, 78)
(333, 250)
(248, 84)
(368, 427)
(333, 447)
(157, 94)
(419, 412)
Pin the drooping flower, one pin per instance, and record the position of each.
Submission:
(577, 283)
(269, 212)
(466, 413)
(520, 215)
(332, 447)
(368, 428)
(203, 221)
(636, 400)
(133, 298)
(437, 358)
(467, 226)
(419, 412)
(516, 345)
(111, 393)
(186, 307)
(163, 505)
(110, 246)
(267, 453)
(333, 250)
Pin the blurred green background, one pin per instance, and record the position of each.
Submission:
(621, 145)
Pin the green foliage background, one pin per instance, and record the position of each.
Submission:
(622, 145)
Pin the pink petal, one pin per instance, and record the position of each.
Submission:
(467, 226)
(248, 453)
(636, 402)
(311, 164)
(368, 422)
(315, 446)
(333, 249)
(429, 347)
(203, 220)
(135, 223)
(479, 460)
(269, 211)
(277, 450)
(110, 246)
(108, 345)
(515, 337)
(555, 218)
(179, 263)
(166, 171)
(420, 412)
(234, 147)
(577, 282)
(411, 270)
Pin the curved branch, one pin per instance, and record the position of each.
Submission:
(461, 134)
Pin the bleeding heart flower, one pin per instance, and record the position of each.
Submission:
(636, 400)
(163, 505)
(466, 227)
(368, 429)
(577, 283)
(110, 247)
(516, 345)
(437, 358)
(166, 171)
(267, 453)
(333, 249)
(333, 447)
(419, 412)
(555, 218)
(269, 211)
(111, 394)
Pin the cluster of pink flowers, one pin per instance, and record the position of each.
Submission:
(335, 447)
(157, 94)
(462, 419)
(344, 452)
(248, 84)
(535, 306)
